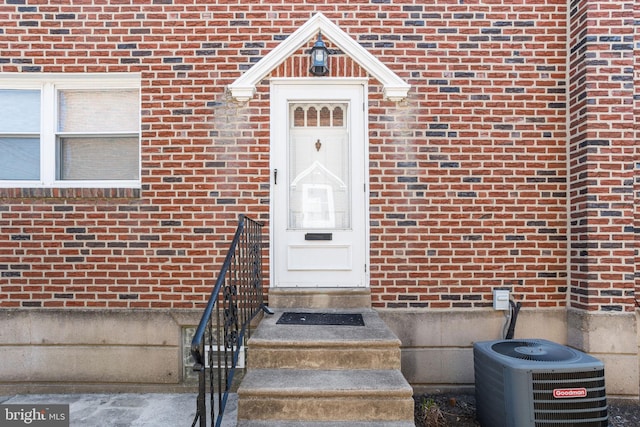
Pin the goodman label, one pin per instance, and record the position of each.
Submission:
(569, 393)
(34, 415)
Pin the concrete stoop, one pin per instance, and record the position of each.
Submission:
(308, 375)
(331, 298)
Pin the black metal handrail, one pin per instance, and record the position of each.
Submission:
(235, 300)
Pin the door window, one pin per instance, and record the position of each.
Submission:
(319, 172)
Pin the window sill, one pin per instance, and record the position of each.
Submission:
(70, 193)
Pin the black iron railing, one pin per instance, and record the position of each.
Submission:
(224, 327)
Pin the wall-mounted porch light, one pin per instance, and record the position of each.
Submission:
(319, 57)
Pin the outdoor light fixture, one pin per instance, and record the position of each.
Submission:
(319, 56)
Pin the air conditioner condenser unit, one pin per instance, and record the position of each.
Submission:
(538, 383)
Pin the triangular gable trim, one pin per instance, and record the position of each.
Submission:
(395, 89)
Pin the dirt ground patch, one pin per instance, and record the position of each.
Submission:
(444, 410)
(459, 410)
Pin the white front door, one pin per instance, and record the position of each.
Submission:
(318, 198)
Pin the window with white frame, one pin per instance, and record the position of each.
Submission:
(70, 130)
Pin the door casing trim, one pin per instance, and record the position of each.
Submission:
(329, 82)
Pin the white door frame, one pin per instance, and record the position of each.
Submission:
(307, 89)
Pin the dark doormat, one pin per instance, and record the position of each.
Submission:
(340, 319)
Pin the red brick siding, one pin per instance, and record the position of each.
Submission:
(603, 152)
(636, 120)
(468, 177)
(297, 65)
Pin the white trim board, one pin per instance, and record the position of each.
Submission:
(394, 88)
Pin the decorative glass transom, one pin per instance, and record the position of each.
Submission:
(318, 115)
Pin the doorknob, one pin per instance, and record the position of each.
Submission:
(275, 176)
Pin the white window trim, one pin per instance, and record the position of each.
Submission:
(49, 84)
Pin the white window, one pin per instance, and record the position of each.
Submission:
(70, 130)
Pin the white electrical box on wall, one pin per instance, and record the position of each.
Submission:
(500, 299)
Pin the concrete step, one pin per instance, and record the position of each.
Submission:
(325, 395)
(324, 375)
(336, 298)
(372, 346)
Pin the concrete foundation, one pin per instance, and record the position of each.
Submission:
(49, 351)
(437, 346)
(67, 351)
(612, 338)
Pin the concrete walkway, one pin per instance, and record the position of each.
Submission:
(127, 409)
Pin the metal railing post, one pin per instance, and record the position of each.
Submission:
(234, 301)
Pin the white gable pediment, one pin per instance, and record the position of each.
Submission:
(394, 88)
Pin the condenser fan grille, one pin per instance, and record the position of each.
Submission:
(588, 410)
(534, 350)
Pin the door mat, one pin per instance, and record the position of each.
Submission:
(338, 319)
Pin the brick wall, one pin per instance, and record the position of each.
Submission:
(603, 153)
(636, 119)
(468, 177)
